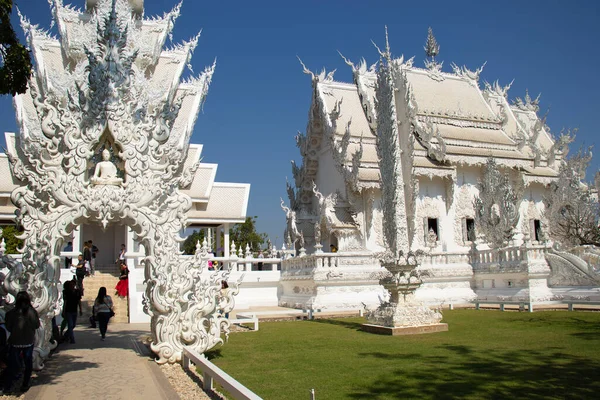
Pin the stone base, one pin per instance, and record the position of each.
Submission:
(404, 330)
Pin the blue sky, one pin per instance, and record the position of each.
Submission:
(259, 97)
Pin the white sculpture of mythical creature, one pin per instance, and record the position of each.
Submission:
(327, 204)
(106, 172)
(291, 227)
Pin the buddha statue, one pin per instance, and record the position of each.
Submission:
(106, 172)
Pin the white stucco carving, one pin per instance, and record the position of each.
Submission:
(111, 98)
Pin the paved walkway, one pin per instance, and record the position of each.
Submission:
(120, 367)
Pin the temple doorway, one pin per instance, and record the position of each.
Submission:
(107, 240)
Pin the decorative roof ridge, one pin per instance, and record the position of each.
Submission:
(186, 45)
(337, 85)
(458, 117)
(30, 30)
(425, 71)
(167, 15)
(481, 145)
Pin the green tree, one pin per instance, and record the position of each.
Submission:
(9, 234)
(245, 233)
(189, 245)
(572, 209)
(15, 61)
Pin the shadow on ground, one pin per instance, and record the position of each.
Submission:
(462, 372)
(63, 359)
(340, 322)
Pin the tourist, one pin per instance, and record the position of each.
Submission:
(103, 310)
(68, 260)
(4, 335)
(94, 251)
(80, 272)
(122, 287)
(63, 324)
(210, 265)
(121, 257)
(22, 322)
(332, 248)
(72, 301)
(87, 257)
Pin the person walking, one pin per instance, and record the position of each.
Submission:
(22, 322)
(87, 257)
(80, 272)
(122, 288)
(121, 256)
(72, 299)
(103, 309)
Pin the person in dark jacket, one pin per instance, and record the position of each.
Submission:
(22, 322)
(72, 299)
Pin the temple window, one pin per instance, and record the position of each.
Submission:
(537, 229)
(469, 230)
(432, 233)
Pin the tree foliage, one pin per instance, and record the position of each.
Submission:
(189, 245)
(15, 60)
(497, 206)
(241, 234)
(245, 234)
(572, 210)
(9, 234)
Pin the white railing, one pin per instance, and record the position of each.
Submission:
(210, 373)
(328, 260)
(513, 256)
(445, 258)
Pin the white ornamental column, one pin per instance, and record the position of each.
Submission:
(218, 234)
(77, 239)
(226, 245)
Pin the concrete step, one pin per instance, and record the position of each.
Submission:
(91, 286)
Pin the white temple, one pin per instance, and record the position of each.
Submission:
(449, 126)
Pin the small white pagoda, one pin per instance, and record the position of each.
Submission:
(448, 128)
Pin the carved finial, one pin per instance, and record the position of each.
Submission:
(232, 249)
(387, 54)
(137, 6)
(432, 48)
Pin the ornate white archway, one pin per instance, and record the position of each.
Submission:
(108, 98)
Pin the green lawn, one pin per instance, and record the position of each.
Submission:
(484, 355)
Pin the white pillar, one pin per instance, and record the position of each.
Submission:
(218, 239)
(77, 240)
(226, 244)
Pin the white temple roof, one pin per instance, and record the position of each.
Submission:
(228, 203)
(453, 97)
(471, 125)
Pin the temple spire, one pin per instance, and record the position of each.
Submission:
(432, 48)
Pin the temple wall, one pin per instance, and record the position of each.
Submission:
(465, 192)
(531, 208)
(431, 204)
